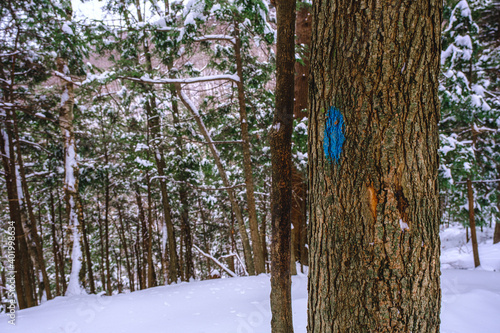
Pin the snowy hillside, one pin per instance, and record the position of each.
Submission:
(470, 303)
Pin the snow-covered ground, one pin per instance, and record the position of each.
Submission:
(470, 303)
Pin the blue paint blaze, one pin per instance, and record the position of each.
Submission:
(334, 135)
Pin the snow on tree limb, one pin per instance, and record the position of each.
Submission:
(207, 38)
(206, 255)
(66, 78)
(190, 80)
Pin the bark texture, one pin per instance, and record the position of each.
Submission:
(374, 215)
(280, 138)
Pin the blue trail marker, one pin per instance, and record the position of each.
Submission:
(334, 135)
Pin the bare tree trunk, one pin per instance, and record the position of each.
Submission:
(143, 232)
(149, 243)
(22, 262)
(496, 235)
(55, 245)
(472, 223)
(247, 161)
(87, 255)
(123, 239)
(247, 250)
(183, 194)
(109, 289)
(38, 249)
(373, 167)
(280, 138)
(61, 256)
(73, 208)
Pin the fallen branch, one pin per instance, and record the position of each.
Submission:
(206, 255)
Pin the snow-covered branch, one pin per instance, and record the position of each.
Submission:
(66, 78)
(480, 181)
(190, 80)
(208, 38)
(228, 271)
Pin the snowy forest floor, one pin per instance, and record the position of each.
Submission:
(470, 302)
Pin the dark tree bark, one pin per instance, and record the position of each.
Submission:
(472, 223)
(123, 239)
(303, 37)
(280, 138)
(496, 235)
(55, 245)
(144, 233)
(374, 213)
(22, 263)
(32, 225)
(149, 243)
(87, 255)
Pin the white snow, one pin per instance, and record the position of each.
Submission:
(70, 162)
(74, 287)
(67, 29)
(403, 225)
(141, 146)
(144, 163)
(470, 302)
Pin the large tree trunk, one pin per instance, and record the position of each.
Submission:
(22, 263)
(280, 138)
(32, 226)
(303, 26)
(247, 161)
(374, 209)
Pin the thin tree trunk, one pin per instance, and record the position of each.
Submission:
(374, 198)
(149, 243)
(247, 161)
(143, 232)
(87, 255)
(123, 239)
(280, 138)
(496, 235)
(62, 263)
(109, 290)
(183, 195)
(247, 250)
(55, 245)
(263, 234)
(472, 223)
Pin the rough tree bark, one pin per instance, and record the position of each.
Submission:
(374, 213)
(280, 139)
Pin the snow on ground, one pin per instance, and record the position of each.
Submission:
(470, 303)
